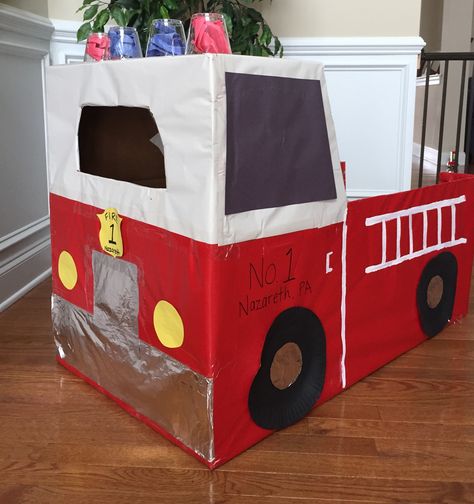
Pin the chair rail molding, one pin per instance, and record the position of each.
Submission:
(25, 257)
(64, 46)
(431, 157)
(23, 33)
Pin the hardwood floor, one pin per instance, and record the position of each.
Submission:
(429, 172)
(403, 435)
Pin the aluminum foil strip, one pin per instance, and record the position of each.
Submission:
(106, 348)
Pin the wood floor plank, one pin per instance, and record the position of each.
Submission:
(318, 445)
(25, 494)
(391, 490)
(446, 412)
(444, 375)
(400, 430)
(116, 455)
(339, 407)
(156, 482)
(409, 467)
(375, 390)
(415, 360)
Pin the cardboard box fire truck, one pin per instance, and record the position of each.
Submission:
(214, 281)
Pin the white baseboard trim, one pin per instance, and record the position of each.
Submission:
(65, 30)
(17, 258)
(431, 156)
(23, 269)
(25, 289)
(434, 80)
(358, 194)
(22, 233)
(350, 46)
(64, 46)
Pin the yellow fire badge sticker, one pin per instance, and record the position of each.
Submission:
(110, 235)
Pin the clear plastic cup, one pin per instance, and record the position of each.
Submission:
(97, 47)
(166, 38)
(124, 43)
(208, 34)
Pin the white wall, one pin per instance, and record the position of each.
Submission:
(39, 7)
(447, 26)
(64, 9)
(343, 18)
(456, 36)
(431, 24)
(24, 227)
(315, 18)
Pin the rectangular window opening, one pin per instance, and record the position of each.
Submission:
(114, 143)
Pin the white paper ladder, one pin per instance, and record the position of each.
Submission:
(408, 214)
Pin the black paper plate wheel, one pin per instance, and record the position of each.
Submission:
(436, 292)
(298, 333)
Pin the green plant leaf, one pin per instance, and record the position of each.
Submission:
(127, 4)
(246, 21)
(118, 15)
(228, 23)
(255, 50)
(266, 36)
(170, 4)
(101, 20)
(90, 12)
(83, 31)
(239, 46)
(277, 46)
(134, 19)
(164, 13)
(254, 29)
(248, 31)
(135, 22)
(155, 11)
(85, 3)
(254, 14)
(216, 5)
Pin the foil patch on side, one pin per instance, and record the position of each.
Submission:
(106, 348)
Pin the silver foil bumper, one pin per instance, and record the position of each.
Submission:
(106, 348)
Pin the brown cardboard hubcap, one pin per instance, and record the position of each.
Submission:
(435, 291)
(286, 366)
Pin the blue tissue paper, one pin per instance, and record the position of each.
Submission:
(167, 41)
(124, 45)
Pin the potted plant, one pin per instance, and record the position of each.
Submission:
(248, 31)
